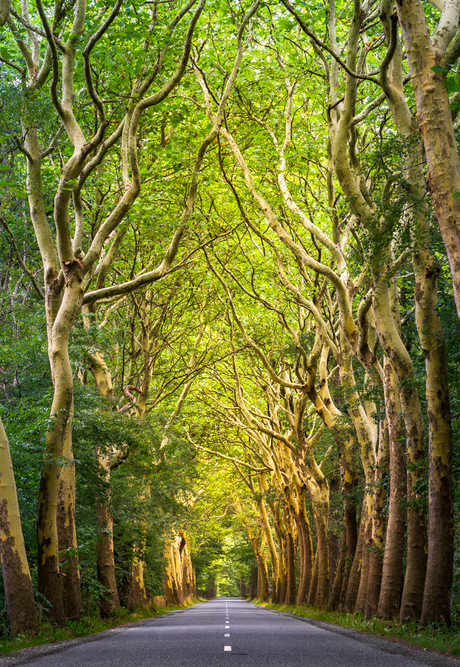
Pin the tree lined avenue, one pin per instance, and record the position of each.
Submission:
(230, 302)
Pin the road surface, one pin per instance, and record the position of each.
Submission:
(229, 632)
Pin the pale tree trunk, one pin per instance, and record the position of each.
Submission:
(306, 550)
(67, 536)
(139, 592)
(443, 172)
(392, 573)
(269, 537)
(105, 555)
(378, 525)
(387, 325)
(282, 567)
(364, 566)
(318, 489)
(58, 439)
(355, 572)
(262, 573)
(178, 576)
(366, 435)
(435, 120)
(374, 501)
(291, 586)
(49, 580)
(188, 575)
(171, 586)
(19, 596)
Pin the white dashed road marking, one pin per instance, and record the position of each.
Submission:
(227, 648)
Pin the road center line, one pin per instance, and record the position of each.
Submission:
(227, 648)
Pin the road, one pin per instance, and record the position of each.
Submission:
(229, 632)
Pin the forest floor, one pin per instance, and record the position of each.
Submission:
(434, 637)
(49, 633)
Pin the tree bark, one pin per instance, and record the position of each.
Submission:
(19, 596)
(339, 578)
(314, 582)
(387, 325)
(291, 585)
(364, 567)
(443, 170)
(105, 556)
(378, 525)
(355, 571)
(67, 536)
(392, 574)
(306, 553)
(58, 440)
(269, 537)
(435, 123)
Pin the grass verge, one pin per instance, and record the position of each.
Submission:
(435, 637)
(49, 633)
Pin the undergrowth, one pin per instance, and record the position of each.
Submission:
(435, 637)
(49, 633)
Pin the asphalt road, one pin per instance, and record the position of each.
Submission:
(229, 632)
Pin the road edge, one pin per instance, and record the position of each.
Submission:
(385, 644)
(24, 655)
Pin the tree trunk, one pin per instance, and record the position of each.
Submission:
(269, 537)
(314, 582)
(322, 522)
(355, 571)
(443, 172)
(366, 434)
(334, 557)
(378, 525)
(110, 602)
(291, 585)
(306, 555)
(58, 440)
(387, 318)
(338, 579)
(139, 592)
(392, 574)
(262, 579)
(282, 566)
(171, 585)
(435, 123)
(105, 556)
(19, 596)
(365, 564)
(254, 571)
(318, 489)
(186, 574)
(67, 536)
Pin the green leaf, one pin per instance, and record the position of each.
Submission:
(456, 194)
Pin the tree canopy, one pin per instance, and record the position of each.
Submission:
(230, 300)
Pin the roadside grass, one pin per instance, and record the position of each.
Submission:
(49, 633)
(435, 637)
